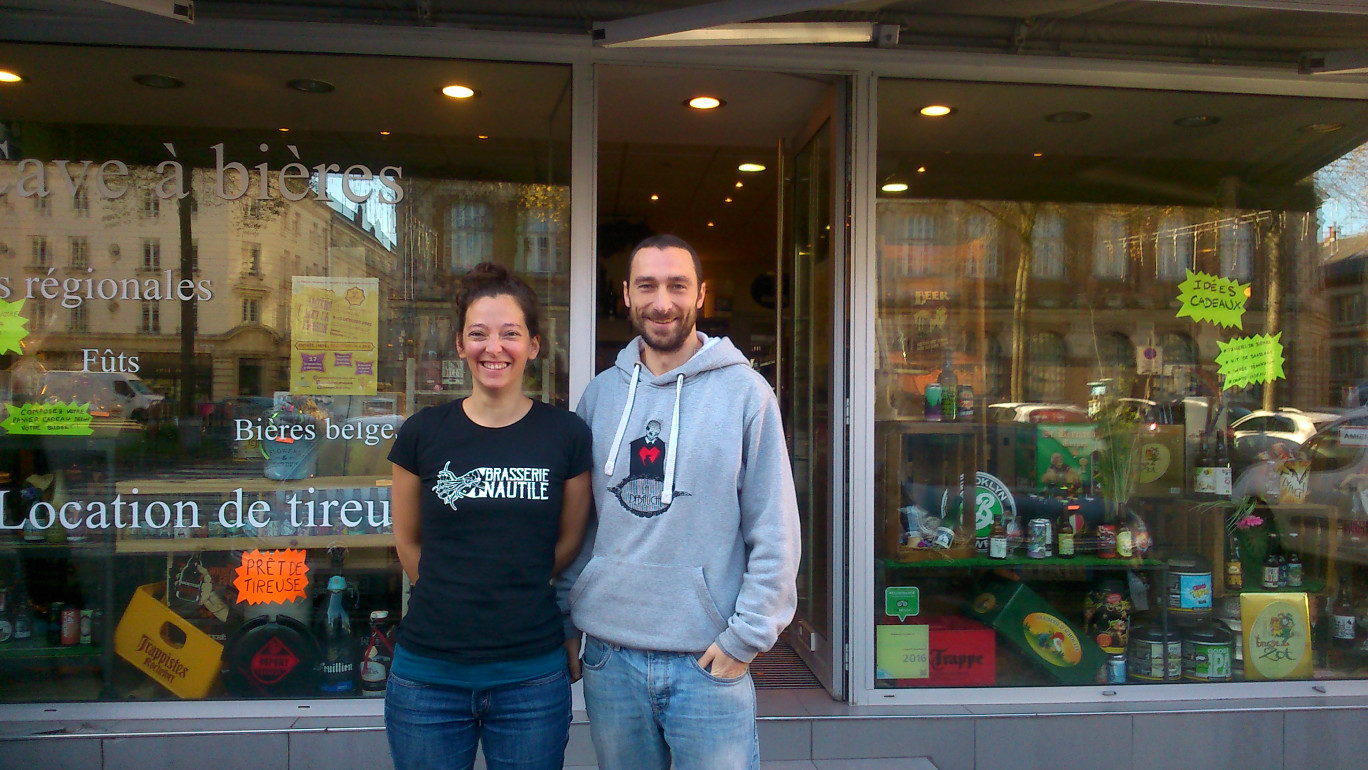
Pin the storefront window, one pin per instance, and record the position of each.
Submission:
(1131, 452)
(218, 303)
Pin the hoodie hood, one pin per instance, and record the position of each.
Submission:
(716, 353)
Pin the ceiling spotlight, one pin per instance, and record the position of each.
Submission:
(738, 183)
(710, 224)
(921, 169)
(9, 77)
(726, 200)
(384, 133)
(311, 86)
(705, 103)
(482, 137)
(750, 168)
(936, 110)
(1321, 128)
(458, 91)
(1037, 155)
(1196, 121)
(284, 130)
(1068, 116)
(655, 197)
(152, 80)
(894, 187)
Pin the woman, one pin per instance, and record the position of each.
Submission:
(490, 499)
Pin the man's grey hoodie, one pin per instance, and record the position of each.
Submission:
(697, 540)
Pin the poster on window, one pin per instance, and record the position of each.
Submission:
(334, 335)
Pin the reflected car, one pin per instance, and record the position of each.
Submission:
(1278, 433)
(1338, 465)
(1036, 413)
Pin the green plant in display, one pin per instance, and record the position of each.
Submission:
(1118, 429)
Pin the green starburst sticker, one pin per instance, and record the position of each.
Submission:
(1213, 298)
(12, 330)
(1251, 360)
(48, 420)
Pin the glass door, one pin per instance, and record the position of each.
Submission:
(813, 386)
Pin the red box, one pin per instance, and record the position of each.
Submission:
(961, 653)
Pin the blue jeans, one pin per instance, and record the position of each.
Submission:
(647, 708)
(524, 725)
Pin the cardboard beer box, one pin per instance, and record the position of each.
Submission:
(1039, 630)
(944, 651)
(1277, 635)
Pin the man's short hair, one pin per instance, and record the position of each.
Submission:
(667, 241)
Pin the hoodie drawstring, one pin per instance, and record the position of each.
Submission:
(622, 423)
(667, 494)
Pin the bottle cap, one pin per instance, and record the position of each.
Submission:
(379, 615)
(337, 583)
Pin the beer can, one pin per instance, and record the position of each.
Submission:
(54, 623)
(1037, 538)
(1116, 669)
(934, 396)
(966, 403)
(71, 625)
(87, 626)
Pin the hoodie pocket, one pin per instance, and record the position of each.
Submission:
(650, 606)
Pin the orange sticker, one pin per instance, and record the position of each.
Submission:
(271, 577)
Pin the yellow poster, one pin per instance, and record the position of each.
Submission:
(902, 652)
(334, 335)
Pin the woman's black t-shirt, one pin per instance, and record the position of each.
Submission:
(490, 514)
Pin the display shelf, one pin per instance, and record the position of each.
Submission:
(187, 545)
(28, 650)
(88, 548)
(212, 486)
(1017, 562)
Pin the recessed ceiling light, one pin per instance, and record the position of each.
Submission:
(152, 80)
(1068, 116)
(705, 103)
(384, 133)
(655, 197)
(482, 136)
(284, 130)
(894, 187)
(710, 224)
(1037, 155)
(1196, 121)
(750, 168)
(457, 91)
(9, 77)
(726, 200)
(921, 169)
(1321, 128)
(738, 183)
(311, 86)
(936, 110)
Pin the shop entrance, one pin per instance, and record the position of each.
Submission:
(756, 184)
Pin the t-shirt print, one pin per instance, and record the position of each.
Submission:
(491, 483)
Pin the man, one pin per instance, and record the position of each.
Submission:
(695, 557)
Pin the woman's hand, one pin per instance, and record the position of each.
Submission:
(575, 503)
(572, 659)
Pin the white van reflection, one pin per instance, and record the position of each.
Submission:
(111, 395)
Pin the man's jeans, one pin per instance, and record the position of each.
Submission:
(523, 726)
(646, 708)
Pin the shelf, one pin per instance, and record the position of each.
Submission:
(1053, 562)
(29, 650)
(188, 545)
(88, 548)
(222, 486)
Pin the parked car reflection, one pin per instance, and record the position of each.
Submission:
(1277, 433)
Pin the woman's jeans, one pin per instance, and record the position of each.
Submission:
(524, 725)
(647, 708)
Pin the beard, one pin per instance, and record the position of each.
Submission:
(667, 341)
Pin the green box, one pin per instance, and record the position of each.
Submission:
(1039, 631)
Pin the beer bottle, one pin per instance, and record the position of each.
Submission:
(1295, 573)
(1222, 481)
(1234, 568)
(1269, 578)
(1066, 537)
(1203, 479)
(1343, 619)
(997, 540)
(338, 665)
(949, 383)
